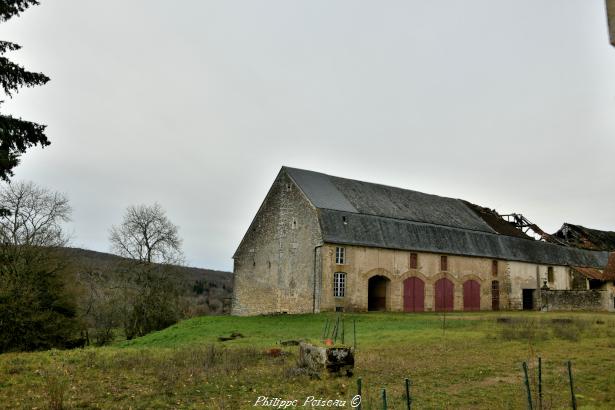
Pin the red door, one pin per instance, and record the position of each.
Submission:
(471, 295)
(414, 295)
(444, 295)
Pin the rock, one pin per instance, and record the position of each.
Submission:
(335, 360)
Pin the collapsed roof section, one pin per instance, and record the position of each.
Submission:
(496, 222)
(585, 238)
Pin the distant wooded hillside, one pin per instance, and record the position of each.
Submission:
(210, 291)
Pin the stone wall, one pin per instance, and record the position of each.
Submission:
(577, 300)
(524, 275)
(274, 264)
(363, 263)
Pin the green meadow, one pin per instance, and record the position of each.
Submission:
(454, 361)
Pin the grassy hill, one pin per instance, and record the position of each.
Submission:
(467, 361)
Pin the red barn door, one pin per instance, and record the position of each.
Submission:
(414, 295)
(444, 295)
(471, 295)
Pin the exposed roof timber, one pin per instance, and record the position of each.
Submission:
(524, 224)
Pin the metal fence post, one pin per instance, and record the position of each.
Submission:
(574, 398)
(527, 387)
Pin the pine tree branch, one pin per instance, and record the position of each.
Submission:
(11, 8)
(8, 46)
(14, 76)
(17, 135)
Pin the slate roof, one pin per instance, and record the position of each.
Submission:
(362, 213)
(340, 194)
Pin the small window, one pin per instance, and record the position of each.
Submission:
(288, 188)
(494, 268)
(413, 261)
(340, 255)
(294, 223)
(344, 220)
(339, 284)
(550, 278)
(443, 263)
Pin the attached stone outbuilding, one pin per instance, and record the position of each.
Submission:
(324, 243)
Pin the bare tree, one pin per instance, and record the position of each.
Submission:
(147, 235)
(148, 290)
(35, 217)
(37, 310)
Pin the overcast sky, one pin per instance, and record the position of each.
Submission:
(197, 104)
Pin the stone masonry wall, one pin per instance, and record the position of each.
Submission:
(576, 300)
(274, 264)
(364, 262)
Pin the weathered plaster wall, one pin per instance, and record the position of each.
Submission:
(362, 263)
(274, 264)
(531, 276)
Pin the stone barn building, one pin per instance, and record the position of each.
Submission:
(324, 243)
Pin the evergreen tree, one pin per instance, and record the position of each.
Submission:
(16, 134)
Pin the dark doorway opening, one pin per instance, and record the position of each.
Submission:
(596, 284)
(528, 299)
(378, 287)
(495, 295)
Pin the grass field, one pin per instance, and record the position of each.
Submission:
(474, 363)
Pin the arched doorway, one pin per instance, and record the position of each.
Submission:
(378, 288)
(471, 295)
(444, 295)
(414, 295)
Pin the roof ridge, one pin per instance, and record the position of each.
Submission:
(370, 183)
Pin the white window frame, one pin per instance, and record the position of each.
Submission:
(339, 284)
(340, 255)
